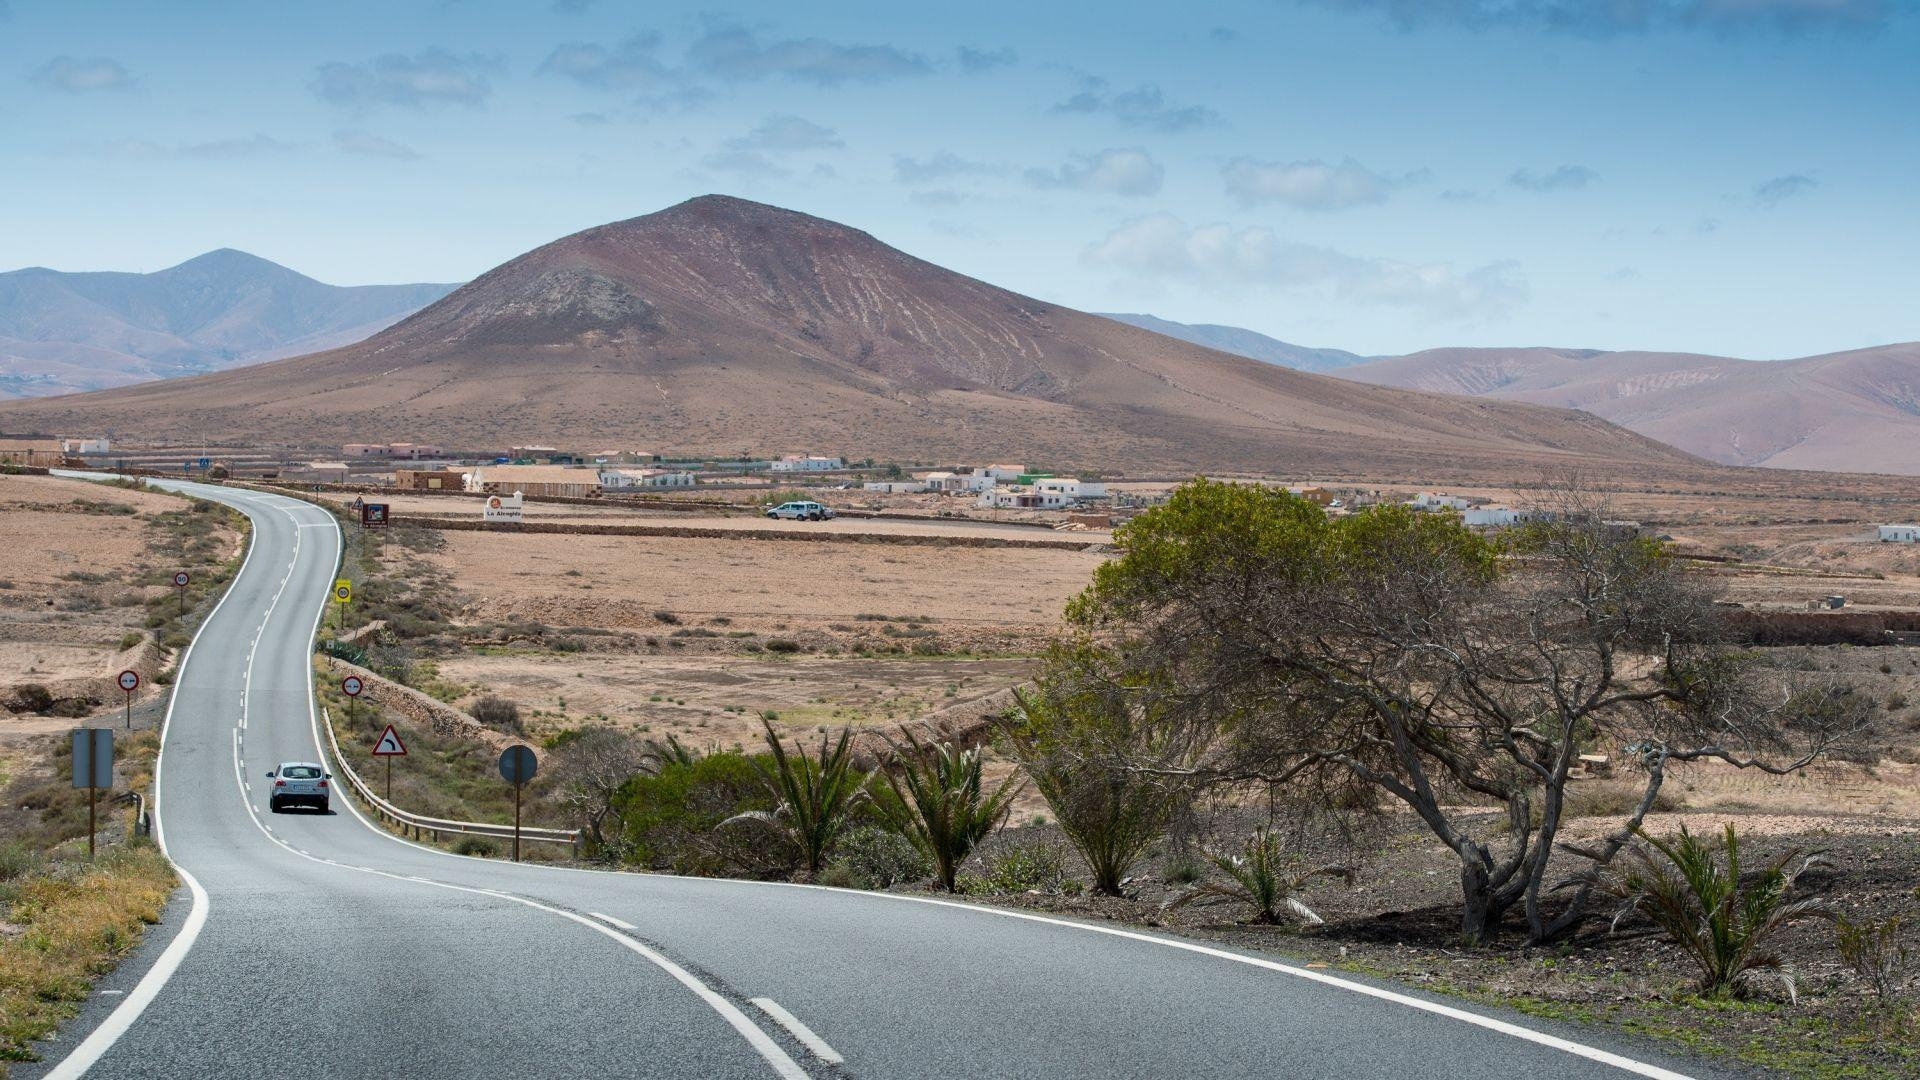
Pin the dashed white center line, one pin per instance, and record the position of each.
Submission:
(611, 921)
(815, 1045)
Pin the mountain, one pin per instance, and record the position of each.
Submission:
(722, 326)
(1243, 342)
(1855, 411)
(62, 332)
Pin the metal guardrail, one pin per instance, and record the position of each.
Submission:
(422, 826)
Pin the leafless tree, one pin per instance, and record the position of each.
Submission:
(589, 772)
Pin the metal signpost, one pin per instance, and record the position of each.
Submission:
(517, 766)
(180, 582)
(342, 595)
(129, 681)
(373, 515)
(92, 768)
(388, 747)
(351, 686)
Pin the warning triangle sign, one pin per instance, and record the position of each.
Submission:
(390, 744)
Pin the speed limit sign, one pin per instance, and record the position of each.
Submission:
(350, 686)
(180, 579)
(129, 681)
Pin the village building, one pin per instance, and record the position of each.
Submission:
(1057, 493)
(1438, 500)
(101, 445)
(944, 482)
(1491, 517)
(806, 463)
(894, 487)
(430, 479)
(1318, 496)
(33, 453)
(401, 451)
(629, 479)
(1900, 534)
(317, 472)
(1005, 473)
(551, 481)
(624, 457)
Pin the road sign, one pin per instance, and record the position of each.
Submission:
(351, 686)
(373, 515)
(342, 591)
(180, 579)
(93, 768)
(517, 764)
(205, 462)
(129, 680)
(390, 744)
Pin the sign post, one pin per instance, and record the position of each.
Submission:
(388, 747)
(92, 769)
(129, 681)
(351, 686)
(180, 582)
(342, 595)
(517, 766)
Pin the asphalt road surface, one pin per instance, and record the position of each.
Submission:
(323, 946)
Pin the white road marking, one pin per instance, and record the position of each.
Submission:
(611, 921)
(815, 1045)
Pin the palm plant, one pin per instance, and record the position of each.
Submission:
(937, 799)
(1725, 926)
(817, 795)
(1265, 877)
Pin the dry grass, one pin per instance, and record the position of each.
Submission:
(65, 924)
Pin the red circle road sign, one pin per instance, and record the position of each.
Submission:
(181, 579)
(129, 681)
(350, 686)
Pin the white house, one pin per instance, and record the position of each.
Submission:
(1004, 472)
(806, 463)
(1050, 494)
(979, 480)
(944, 482)
(628, 479)
(101, 445)
(1438, 500)
(1900, 534)
(1069, 489)
(895, 487)
(1491, 516)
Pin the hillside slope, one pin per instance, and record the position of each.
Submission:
(1856, 411)
(721, 326)
(63, 332)
(1243, 342)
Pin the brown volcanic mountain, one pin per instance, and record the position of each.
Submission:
(721, 325)
(1853, 411)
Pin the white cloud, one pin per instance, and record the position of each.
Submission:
(943, 165)
(73, 75)
(1601, 18)
(1306, 185)
(787, 134)
(368, 144)
(1564, 178)
(1127, 171)
(731, 52)
(1163, 247)
(1144, 107)
(1772, 193)
(432, 77)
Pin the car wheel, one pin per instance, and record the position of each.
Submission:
(323, 808)
(273, 806)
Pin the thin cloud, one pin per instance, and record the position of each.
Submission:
(73, 75)
(1162, 247)
(255, 145)
(1144, 107)
(973, 60)
(1129, 171)
(632, 64)
(1593, 18)
(1771, 193)
(785, 135)
(1564, 178)
(731, 52)
(746, 164)
(1306, 185)
(367, 144)
(430, 78)
(943, 165)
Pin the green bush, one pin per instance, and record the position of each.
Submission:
(1023, 864)
(500, 714)
(870, 857)
(475, 845)
(673, 818)
(782, 645)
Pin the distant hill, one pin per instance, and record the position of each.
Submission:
(1243, 342)
(67, 332)
(721, 326)
(1855, 411)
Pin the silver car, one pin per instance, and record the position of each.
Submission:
(801, 511)
(299, 783)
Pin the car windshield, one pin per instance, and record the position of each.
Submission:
(300, 772)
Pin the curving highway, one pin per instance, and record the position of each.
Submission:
(324, 946)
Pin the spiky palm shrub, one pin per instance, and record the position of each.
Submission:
(1265, 877)
(818, 795)
(936, 797)
(1723, 925)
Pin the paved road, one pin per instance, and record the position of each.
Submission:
(335, 949)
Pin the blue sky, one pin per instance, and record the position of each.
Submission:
(1727, 176)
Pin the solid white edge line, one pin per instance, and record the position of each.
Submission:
(611, 921)
(101, 1039)
(815, 1045)
(1525, 1034)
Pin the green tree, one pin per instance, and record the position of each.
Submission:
(936, 797)
(817, 795)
